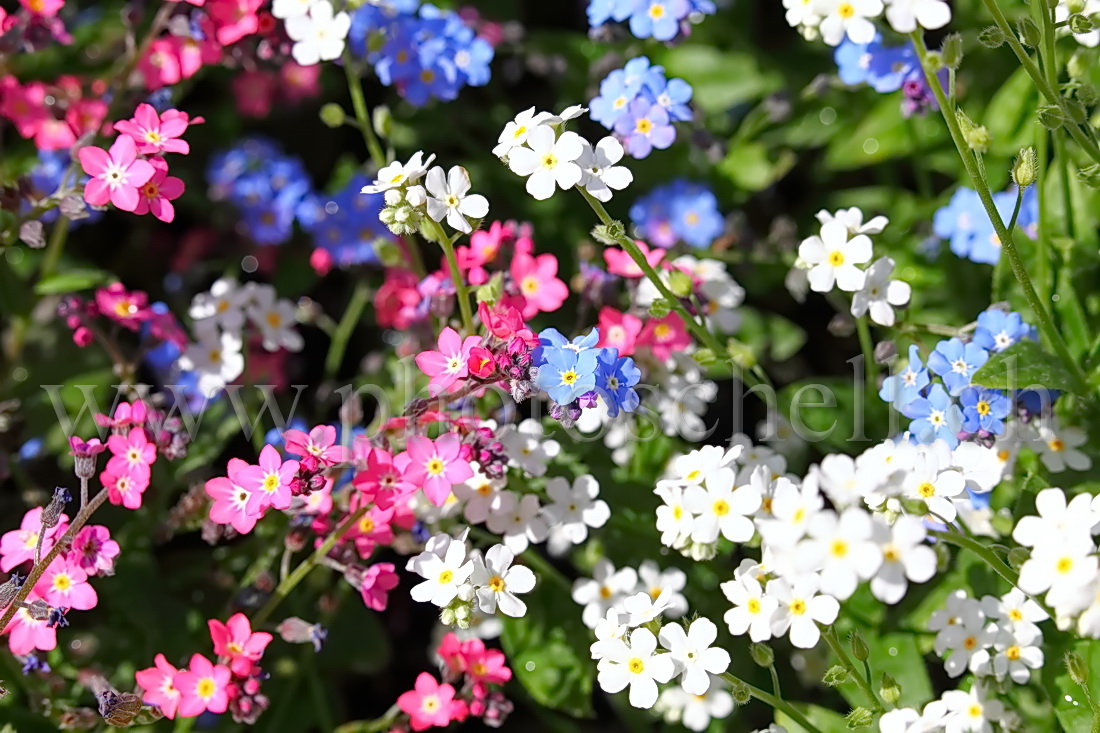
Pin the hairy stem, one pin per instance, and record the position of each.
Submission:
(989, 558)
(774, 702)
(829, 634)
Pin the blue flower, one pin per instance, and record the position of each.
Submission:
(659, 19)
(889, 68)
(853, 60)
(565, 374)
(679, 211)
(984, 409)
(601, 11)
(965, 222)
(906, 385)
(956, 363)
(935, 417)
(646, 126)
(615, 380)
(998, 330)
(553, 338)
(674, 98)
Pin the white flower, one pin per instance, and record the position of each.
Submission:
(965, 640)
(602, 591)
(674, 522)
(643, 608)
(396, 175)
(1056, 520)
(902, 720)
(1058, 448)
(318, 36)
(498, 581)
(792, 507)
(752, 610)
(448, 198)
(905, 15)
(722, 508)
(478, 492)
(443, 576)
(1014, 610)
(1061, 564)
(833, 257)
(972, 711)
(853, 219)
(277, 324)
(283, 9)
(655, 582)
(847, 17)
(517, 520)
(801, 13)
(600, 175)
(934, 487)
(880, 293)
(516, 132)
(958, 608)
(693, 467)
(695, 712)
(527, 448)
(905, 557)
(636, 665)
(216, 358)
(575, 509)
(840, 480)
(221, 305)
(612, 626)
(980, 466)
(801, 609)
(842, 547)
(1018, 652)
(548, 163)
(694, 654)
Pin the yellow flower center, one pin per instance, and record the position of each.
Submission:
(969, 643)
(798, 608)
(983, 408)
(1056, 445)
(1013, 653)
(206, 688)
(636, 666)
(839, 548)
(1064, 565)
(62, 582)
(435, 467)
(656, 12)
(926, 490)
(550, 161)
(846, 10)
(1016, 615)
(430, 704)
(721, 508)
(569, 377)
(643, 126)
(836, 258)
(446, 577)
(496, 584)
(753, 605)
(271, 483)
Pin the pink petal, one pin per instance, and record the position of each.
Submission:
(125, 197)
(96, 192)
(139, 172)
(124, 151)
(93, 160)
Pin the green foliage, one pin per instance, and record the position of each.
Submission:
(1024, 365)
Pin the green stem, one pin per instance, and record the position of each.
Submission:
(298, 575)
(775, 682)
(371, 726)
(339, 345)
(359, 106)
(461, 292)
(183, 725)
(774, 702)
(1047, 89)
(54, 248)
(1064, 164)
(1046, 322)
(988, 557)
(867, 346)
(1042, 241)
(829, 634)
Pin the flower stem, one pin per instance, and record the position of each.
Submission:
(776, 703)
(1046, 322)
(339, 345)
(362, 115)
(462, 293)
(829, 634)
(371, 726)
(867, 346)
(298, 575)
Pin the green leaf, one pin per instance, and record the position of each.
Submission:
(825, 720)
(883, 134)
(1024, 365)
(14, 297)
(548, 648)
(72, 281)
(720, 79)
(752, 167)
(1010, 114)
(899, 656)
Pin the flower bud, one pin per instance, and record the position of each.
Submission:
(889, 690)
(297, 631)
(762, 654)
(1090, 176)
(741, 354)
(1078, 66)
(679, 282)
(51, 515)
(1026, 168)
(885, 351)
(991, 37)
(447, 617)
(934, 59)
(859, 646)
(1087, 95)
(659, 308)
(1075, 111)
(952, 51)
(1029, 32)
(835, 676)
(701, 551)
(393, 197)
(333, 115)
(1051, 116)
(1075, 665)
(841, 325)
(703, 356)
(416, 196)
(1079, 23)
(859, 718)
(740, 692)
(1018, 556)
(382, 121)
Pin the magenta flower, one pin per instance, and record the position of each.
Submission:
(320, 443)
(202, 687)
(536, 278)
(155, 133)
(25, 634)
(65, 585)
(129, 309)
(434, 465)
(431, 704)
(378, 581)
(269, 482)
(159, 688)
(447, 365)
(235, 641)
(115, 175)
(372, 529)
(133, 454)
(126, 414)
(123, 489)
(380, 480)
(159, 192)
(485, 666)
(231, 500)
(17, 546)
(94, 550)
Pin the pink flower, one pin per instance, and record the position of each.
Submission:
(54, 134)
(159, 192)
(236, 641)
(130, 309)
(254, 92)
(536, 278)
(26, 634)
(126, 415)
(231, 500)
(447, 365)
(86, 115)
(320, 443)
(299, 82)
(431, 704)
(234, 19)
(485, 666)
(17, 546)
(481, 363)
(664, 336)
(269, 482)
(434, 465)
(44, 8)
(451, 654)
(115, 175)
(94, 550)
(378, 581)
(622, 264)
(123, 489)
(372, 529)
(133, 454)
(380, 480)
(155, 133)
(203, 687)
(396, 302)
(158, 685)
(618, 330)
(65, 585)
(505, 322)
(160, 66)
(25, 106)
